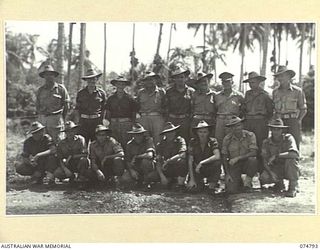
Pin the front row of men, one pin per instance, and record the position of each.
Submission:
(171, 161)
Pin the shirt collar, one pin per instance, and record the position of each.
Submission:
(236, 138)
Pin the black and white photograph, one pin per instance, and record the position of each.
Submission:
(160, 117)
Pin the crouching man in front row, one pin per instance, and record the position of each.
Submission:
(280, 157)
(239, 150)
(38, 158)
(72, 155)
(171, 156)
(107, 158)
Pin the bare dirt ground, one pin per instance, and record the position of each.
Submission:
(22, 198)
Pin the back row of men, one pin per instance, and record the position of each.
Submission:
(180, 104)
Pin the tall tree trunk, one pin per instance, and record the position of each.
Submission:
(159, 39)
(169, 46)
(133, 53)
(279, 47)
(265, 43)
(69, 55)
(214, 61)
(310, 45)
(242, 52)
(104, 54)
(204, 49)
(82, 51)
(60, 52)
(301, 51)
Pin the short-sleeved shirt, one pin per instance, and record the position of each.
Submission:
(97, 151)
(50, 100)
(33, 147)
(123, 107)
(76, 146)
(198, 154)
(290, 100)
(271, 148)
(230, 105)
(178, 103)
(133, 148)
(233, 146)
(258, 103)
(167, 149)
(91, 104)
(204, 104)
(154, 102)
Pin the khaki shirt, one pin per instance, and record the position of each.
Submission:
(270, 148)
(231, 104)
(76, 146)
(290, 100)
(133, 148)
(153, 102)
(97, 151)
(50, 100)
(232, 146)
(168, 149)
(258, 103)
(203, 104)
(178, 103)
(91, 104)
(199, 154)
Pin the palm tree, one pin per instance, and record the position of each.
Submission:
(60, 52)
(265, 43)
(104, 54)
(81, 52)
(69, 54)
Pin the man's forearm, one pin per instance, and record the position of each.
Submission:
(302, 114)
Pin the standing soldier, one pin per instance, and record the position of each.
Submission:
(178, 102)
(290, 102)
(281, 159)
(121, 110)
(52, 102)
(228, 103)
(151, 100)
(203, 107)
(257, 108)
(90, 103)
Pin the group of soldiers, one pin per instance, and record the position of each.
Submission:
(181, 136)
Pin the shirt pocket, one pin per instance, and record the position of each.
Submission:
(233, 149)
(291, 104)
(277, 103)
(259, 105)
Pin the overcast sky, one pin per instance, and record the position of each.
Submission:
(119, 44)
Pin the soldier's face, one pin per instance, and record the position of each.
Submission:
(276, 132)
(38, 135)
(283, 78)
(150, 84)
(70, 133)
(237, 129)
(203, 85)
(120, 85)
(227, 84)
(170, 135)
(101, 136)
(49, 76)
(254, 84)
(179, 80)
(92, 82)
(138, 137)
(203, 133)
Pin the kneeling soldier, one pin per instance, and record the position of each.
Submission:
(239, 150)
(280, 155)
(204, 157)
(72, 154)
(171, 156)
(38, 155)
(140, 154)
(106, 156)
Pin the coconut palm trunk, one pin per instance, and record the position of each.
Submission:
(69, 55)
(242, 52)
(159, 39)
(60, 52)
(301, 51)
(82, 51)
(104, 54)
(265, 43)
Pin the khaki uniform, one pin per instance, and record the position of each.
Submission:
(178, 109)
(283, 168)
(233, 147)
(288, 103)
(152, 108)
(226, 107)
(51, 103)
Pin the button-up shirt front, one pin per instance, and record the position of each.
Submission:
(196, 151)
(229, 104)
(33, 147)
(123, 107)
(233, 146)
(151, 102)
(204, 103)
(167, 149)
(134, 148)
(90, 104)
(73, 147)
(179, 103)
(258, 103)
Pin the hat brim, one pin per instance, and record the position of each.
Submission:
(277, 126)
(41, 74)
(259, 78)
(209, 127)
(137, 132)
(186, 72)
(91, 76)
(66, 130)
(103, 130)
(235, 123)
(202, 77)
(113, 82)
(37, 130)
(170, 130)
(157, 77)
(291, 73)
